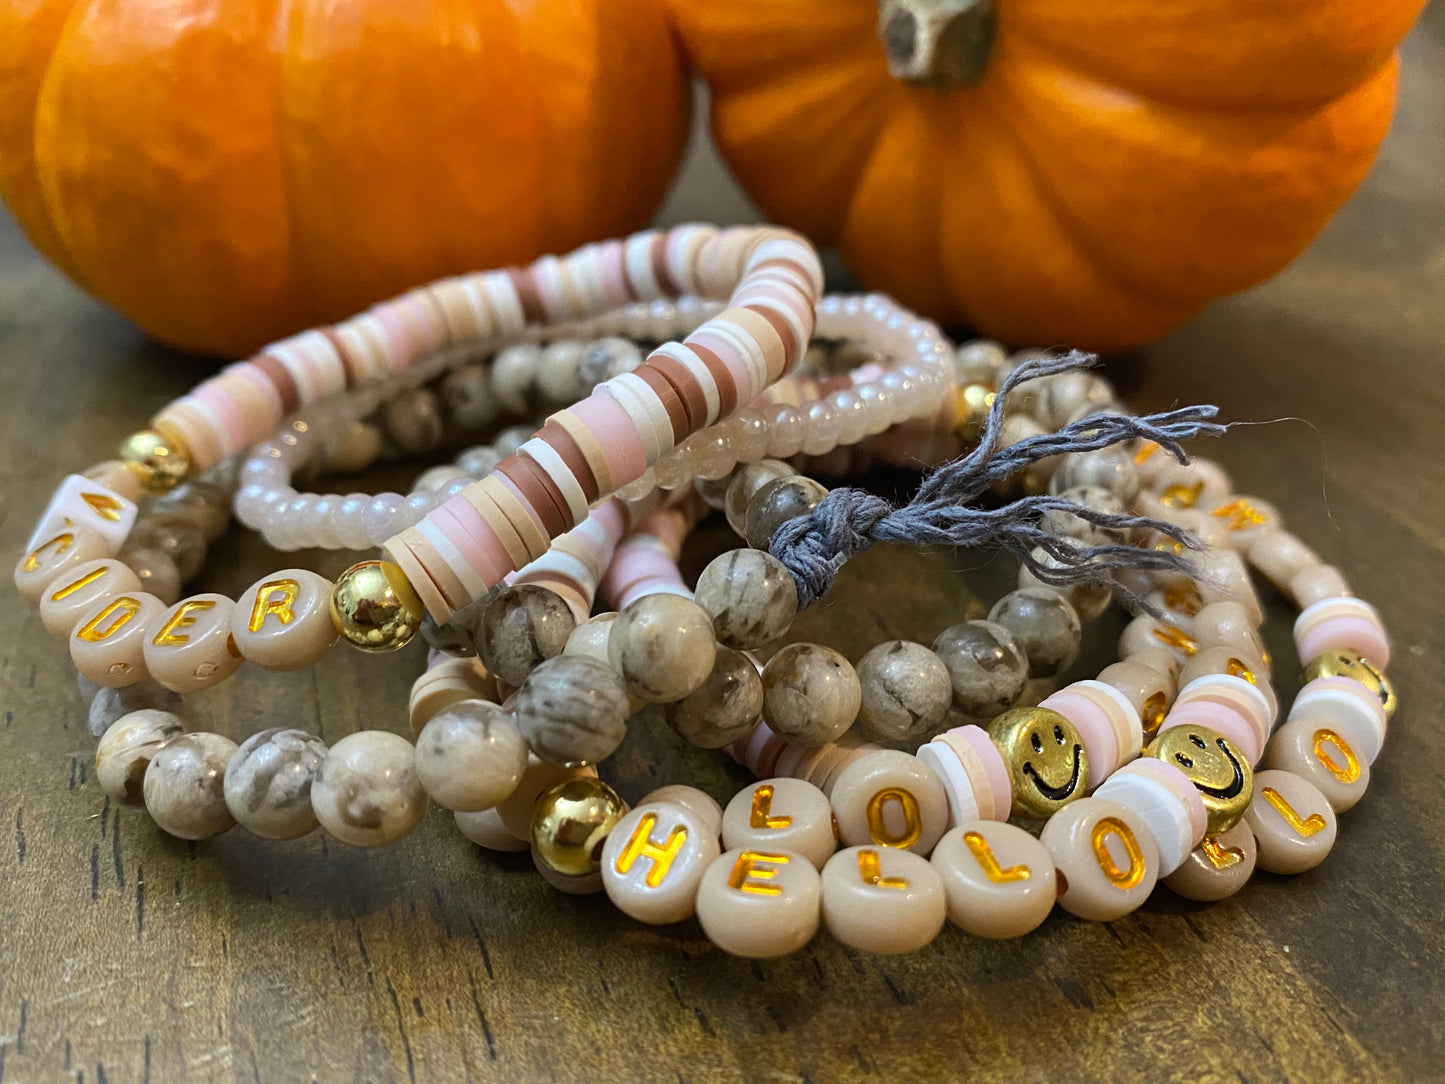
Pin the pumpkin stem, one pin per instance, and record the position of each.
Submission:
(943, 43)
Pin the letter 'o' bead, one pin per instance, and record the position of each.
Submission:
(366, 792)
(269, 779)
(654, 860)
(882, 899)
(781, 815)
(759, 904)
(890, 799)
(1105, 860)
(283, 622)
(126, 749)
(999, 880)
(185, 786)
(1314, 751)
(1292, 822)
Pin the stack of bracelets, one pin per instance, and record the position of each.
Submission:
(921, 784)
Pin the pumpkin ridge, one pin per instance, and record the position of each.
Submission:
(300, 290)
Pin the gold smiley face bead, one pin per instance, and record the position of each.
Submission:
(1045, 757)
(1342, 662)
(1216, 767)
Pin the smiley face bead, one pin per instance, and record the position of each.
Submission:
(1045, 757)
(1216, 767)
(1342, 662)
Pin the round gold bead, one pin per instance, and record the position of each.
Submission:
(1216, 767)
(159, 462)
(570, 824)
(374, 607)
(1342, 662)
(971, 404)
(1046, 759)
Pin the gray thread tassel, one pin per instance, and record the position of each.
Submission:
(816, 546)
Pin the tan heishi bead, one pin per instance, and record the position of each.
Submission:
(71, 596)
(108, 645)
(191, 648)
(654, 860)
(185, 786)
(1105, 860)
(284, 621)
(485, 829)
(891, 799)
(781, 815)
(65, 549)
(1291, 821)
(998, 879)
(1217, 868)
(126, 749)
(1314, 750)
(758, 903)
(366, 792)
(445, 684)
(881, 899)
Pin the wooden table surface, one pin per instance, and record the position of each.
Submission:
(126, 955)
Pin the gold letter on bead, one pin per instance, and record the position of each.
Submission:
(61, 542)
(276, 598)
(109, 621)
(912, 818)
(1173, 636)
(1220, 856)
(872, 872)
(1306, 827)
(1350, 770)
(984, 856)
(761, 816)
(753, 869)
(641, 845)
(103, 505)
(1240, 514)
(168, 636)
(1121, 878)
(71, 588)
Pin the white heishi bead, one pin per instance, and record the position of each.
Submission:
(1157, 807)
(79, 502)
(1348, 707)
(654, 859)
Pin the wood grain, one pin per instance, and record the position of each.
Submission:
(129, 956)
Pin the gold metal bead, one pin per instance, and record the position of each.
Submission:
(159, 462)
(374, 607)
(971, 404)
(1216, 767)
(1342, 662)
(570, 824)
(1046, 759)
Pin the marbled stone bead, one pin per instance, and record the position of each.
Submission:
(455, 635)
(470, 756)
(184, 785)
(744, 482)
(268, 782)
(414, 421)
(592, 637)
(557, 372)
(725, 706)
(605, 358)
(751, 598)
(985, 665)
(906, 691)
(663, 647)
(571, 710)
(1045, 627)
(810, 694)
(1069, 525)
(109, 706)
(157, 573)
(202, 503)
(776, 503)
(522, 626)
(1089, 599)
(1110, 469)
(353, 449)
(126, 749)
(467, 399)
(514, 373)
(180, 540)
(366, 792)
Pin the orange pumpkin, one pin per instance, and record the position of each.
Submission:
(227, 171)
(1049, 171)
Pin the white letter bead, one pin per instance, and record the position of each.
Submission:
(79, 502)
(654, 859)
(759, 903)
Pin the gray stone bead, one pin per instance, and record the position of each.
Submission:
(810, 694)
(978, 362)
(157, 573)
(557, 372)
(478, 460)
(1110, 469)
(750, 596)
(604, 359)
(519, 628)
(185, 786)
(268, 782)
(1068, 525)
(713, 491)
(776, 503)
(724, 707)
(1089, 600)
(1066, 395)
(206, 505)
(664, 647)
(906, 691)
(572, 710)
(1045, 626)
(467, 399)
(180, 540)
(470, 755)
(511, 438)
(514, 372)
(747, 480)
(414, 421)
(985, 665)
(456, 636)
(126, 749)
(109, 706)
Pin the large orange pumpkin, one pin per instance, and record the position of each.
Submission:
(226, 171)
(1081, 171)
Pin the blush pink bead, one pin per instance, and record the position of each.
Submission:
(1094, 729)
(1335, 623)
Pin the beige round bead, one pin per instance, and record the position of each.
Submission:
(540, 775)
(126, 749)
(654, 860)
(999, 879)
(1292, 822)
(776, 502)
(108, 644)
(284, 621)
(891, 799)
(591, 638)
(185, 786)
(810, 694)
(751, 598)
(65, 549)
(485, 829)
(470, 756)
(71, 596)
(781, 815)
(663, 647)
(1217, 868)
(268, 782)
(525, 624)
(744, 482)
(905, 691)
(366, 792)
(191, 648)
(700, 802)
(881, 899)
(1105, 860)
(1315, 751)
(759, 903)
(724, 707)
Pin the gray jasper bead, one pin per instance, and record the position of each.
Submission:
(906, 691)
(751, 598)
(604, 359)
(744, 482)
(455, 635)
(470, 756)
(724, 707)
(522, 626)
(126, 749)
(111, 705)
(1068, 525)
(185, 783)
(810, 694)
(1044, 624)
(663, 645)
(1111, 469)
(776, 503)
(467, 398)
(268, 782)
(572, 710)
(985, 665)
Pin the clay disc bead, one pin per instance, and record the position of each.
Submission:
(192, 648)
(1044, 624)
(998, 879)
(781, 815)
(759, 904)
(523, 625)
(751, 598)
(571, 710)
(108, 644)
(1313, 751)
(268, 782)
(654, 860)
(663, 646)
(185, 786)
(811, 694)
(366, 792)
(284, 621)
(68, 598)
(881, 899)
(126, 749)
(53, 557)
(891, 799)
(1292, 822)
(906, 691)
(470, 756)
(485, 829)
(1104, 858)
(1217, 868)
(986, 666)
(724, 707)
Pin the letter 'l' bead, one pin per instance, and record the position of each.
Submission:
(654, 861)
(998, 879)
(781, 815)
(759, 903)
(882, 899)
(1292, 822)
